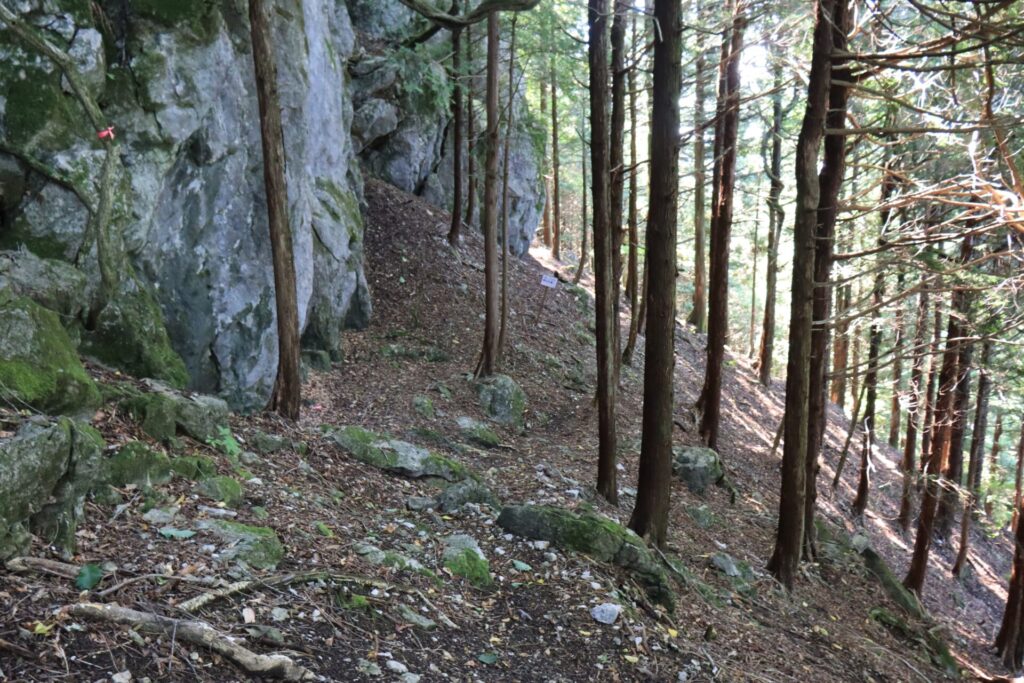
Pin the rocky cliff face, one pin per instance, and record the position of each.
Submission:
(174, 77)
(402, 125)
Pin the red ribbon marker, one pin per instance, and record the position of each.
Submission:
(106, 134)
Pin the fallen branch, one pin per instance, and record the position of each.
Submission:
(42, 566)
(197, 633)
(237, 587)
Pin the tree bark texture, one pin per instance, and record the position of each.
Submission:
(650, 516)
(721, 228)
(604, 243)
(288, 383)
(786, 555)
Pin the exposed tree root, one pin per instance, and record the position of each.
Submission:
(197, 633)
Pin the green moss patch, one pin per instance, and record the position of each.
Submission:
(194, 467)
(255, 546)
(138, 464)
(593, 535)
(222, 489)
(38, 364)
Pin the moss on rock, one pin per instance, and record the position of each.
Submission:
(46, 469)
(138, 464)
(222, 489)
(593, 535)
(256, 546)
(463, 557)
(502, 399)
(396, 456)
(38, 364)
(194, 467)
(129, 334)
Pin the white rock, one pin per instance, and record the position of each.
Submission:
(397, 666)
(606, 613)
(123, 677)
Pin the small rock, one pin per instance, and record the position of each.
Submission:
(416, 619)
(122, 677)
(419, 503)
(161, 516)
(368, 668)
(608, 613)
(409, 677)
(397, 666)
(724, 563)
(541, 545)
(279, 614)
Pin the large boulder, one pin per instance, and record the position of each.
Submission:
(502, 399)
(53, 284)
(163, 412)
(39, 366)
(698, 467)
(593, 535)
(46, 469)
(396, 456)
(188, 187)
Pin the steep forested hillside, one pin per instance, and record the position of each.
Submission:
(510, 340)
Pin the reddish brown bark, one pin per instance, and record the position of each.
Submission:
(650, 516)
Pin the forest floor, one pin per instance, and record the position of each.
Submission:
(357, 620)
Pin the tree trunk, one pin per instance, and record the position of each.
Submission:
(928, 426)
(860, 502)
(699, 315)
(914, 411)
(288, 384)
(721, 227)
(897, 371)
(1018, 479)
(650, 516)
(993, 462)
(604, 243)
(1009, 642)
(456, 225)
(546, 221)
(633, 269)
(471, 183)
(556, 209)
(790, 534)
(489, 357)
(953, 472)
(616, 170)
(506, 159)
(914, 580)
(583, 220)
(776, 217)
(977, 455)
(841, 346)
(830, 180)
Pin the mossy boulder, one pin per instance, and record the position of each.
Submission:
(594, 535)
(46, 469)
(38, 363)
(423, 405)
(467, 491)
(255, 546)
(477, 432)
(53, 284)
(162, 412)
(194, 467)
(316, 359)
(698, 467)
(137, 464)
(463, 557)
(223, 490)
(268, 443)
(502, 399)
(398, 457)
(129, 334)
